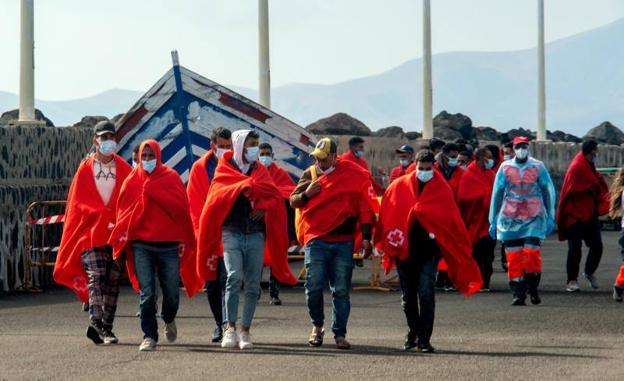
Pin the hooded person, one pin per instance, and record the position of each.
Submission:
(584, 198)
(286, 185)
(155, 230)
(522, 213)
(474, 197)
(84, 261)
(412, 235)
(202, 173)
(335, 199)
(243, 221)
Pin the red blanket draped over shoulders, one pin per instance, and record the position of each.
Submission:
(436, 212)
(342, 192)
(282, 179)
(197, 188)
(474, 197)
(227, 184)
(584, 194)
(88, 224)
(154, 208)
(362, 163)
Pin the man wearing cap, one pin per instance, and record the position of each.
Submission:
(522, 214)
(406, 158)
(334, 199)
(84, 262)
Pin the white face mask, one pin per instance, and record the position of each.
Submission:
(327, 171)
(506, 157)
(220, 152)
(404, 162)
(149, 165)
(424, 176)
(107, 147)
(266, 160)
(252, 154)
(521, 153)
(489, 164)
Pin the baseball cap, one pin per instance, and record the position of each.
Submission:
(520, 140)
(104, 127)
(405, 149)
(324, 148)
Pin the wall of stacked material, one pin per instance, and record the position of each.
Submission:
(36, 164)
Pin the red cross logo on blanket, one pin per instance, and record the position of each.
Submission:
(80, 284)
(212, 263)
(396, 237)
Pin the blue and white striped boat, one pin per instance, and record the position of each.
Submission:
(183, 107)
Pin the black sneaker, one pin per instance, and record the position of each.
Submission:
(275, 301)
(617, 293)
(410, 342)
(217, 334)
(109, 336)
(518, 301)
(85, 307)
(426, 348)
(535, 299)
(95, 334)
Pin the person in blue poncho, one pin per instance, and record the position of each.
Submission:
(522, 214)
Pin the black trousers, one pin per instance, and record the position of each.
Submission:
(588, 232)
(215, 291)
(417, 279)
(483, 254)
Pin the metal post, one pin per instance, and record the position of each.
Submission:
(264, 75)
(427, 128)
(541, 74)
(27, 63)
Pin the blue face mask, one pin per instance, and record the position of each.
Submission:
(266, 160)
(453, 161)
(107, 147)
(404, 162)
(149, 165)
(489, 164)
(252, 154)
(359, 153)
(424, 176)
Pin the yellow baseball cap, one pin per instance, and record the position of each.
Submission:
(324, 148)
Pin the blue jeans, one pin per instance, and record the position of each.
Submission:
(243, 255)
(417, 279)
(329, 262)
(149, 261)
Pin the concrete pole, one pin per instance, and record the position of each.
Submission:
(27, 63)
(264, 75)
(427, 128)
(541, 74)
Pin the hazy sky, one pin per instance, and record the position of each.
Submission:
(87, 46)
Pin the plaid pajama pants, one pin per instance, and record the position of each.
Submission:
(103, 273)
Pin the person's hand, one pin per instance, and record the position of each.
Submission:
(493, 231)
(366, 248)
(550, 225)
(313, 189)
(256, 214)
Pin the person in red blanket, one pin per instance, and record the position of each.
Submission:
(201, 176)
(447, 164)
(334, 199)
(155, 230)
(355, 154)
(85, 262)
(413, 235)
(243, 221)
(406, 158)
(474, 197)
(584, 197)
(286, 185)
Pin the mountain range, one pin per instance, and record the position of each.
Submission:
(584, 74)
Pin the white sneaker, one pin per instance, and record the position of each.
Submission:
(573, 286)
(245, 341)
(230, 339)
(147, 345)
(171, 331)
(591, 279)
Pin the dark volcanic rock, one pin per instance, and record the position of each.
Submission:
(606, 133)
(487, 134)
(11, 117)
(89, 121)
(444, 122)
(413, 135)
(520, 132)
(560, 136)
(390, 132)
(339, 124)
